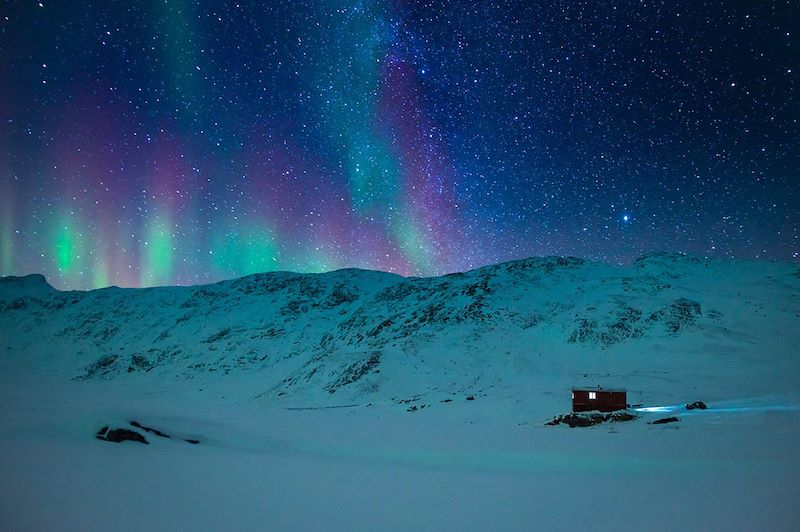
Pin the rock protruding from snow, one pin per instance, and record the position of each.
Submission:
(149, 429)
(665, 420)
(120, 435)
(680, 314)
(589, 419)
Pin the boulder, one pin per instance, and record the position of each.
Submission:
(696, 405)
(665, 420)
(120, 435)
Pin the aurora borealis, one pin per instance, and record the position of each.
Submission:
(180, 142)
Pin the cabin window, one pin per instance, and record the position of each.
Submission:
(592, 395)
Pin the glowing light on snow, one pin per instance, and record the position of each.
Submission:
(716, 410)
(671, 408)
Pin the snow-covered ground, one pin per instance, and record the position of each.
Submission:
(339, 401)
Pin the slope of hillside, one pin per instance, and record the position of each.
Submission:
(358, 400)
(362, 336)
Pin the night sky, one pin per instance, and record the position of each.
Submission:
(180, 142)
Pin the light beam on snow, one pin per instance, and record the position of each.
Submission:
(670, 408)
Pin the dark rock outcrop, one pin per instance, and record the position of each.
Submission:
(679, 315)
(622, 324)
(149, 429)
(104, 365)
(587, 420)
(356, 371)
(700, 405)
(622, 416)
(120, 435)
(665, 420)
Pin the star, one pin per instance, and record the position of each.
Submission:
(423, 137)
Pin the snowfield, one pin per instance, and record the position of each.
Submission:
(339, 401)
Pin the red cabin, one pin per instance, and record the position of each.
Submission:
(602, 399)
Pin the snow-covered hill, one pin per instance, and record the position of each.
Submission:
(355, 335)
(358, 400)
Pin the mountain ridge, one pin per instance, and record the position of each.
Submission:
(365, 335)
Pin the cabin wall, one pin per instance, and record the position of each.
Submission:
(604, 401)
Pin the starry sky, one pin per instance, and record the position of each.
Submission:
(181, 142)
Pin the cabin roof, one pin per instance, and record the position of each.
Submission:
(596, 389)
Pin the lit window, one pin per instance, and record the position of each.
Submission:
(592, 395)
